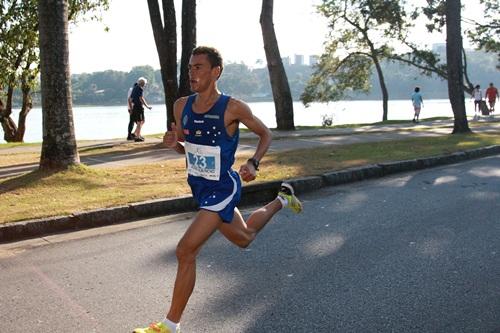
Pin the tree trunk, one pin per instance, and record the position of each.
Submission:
(59, 149)
(188, 43)
(25, 109)
(13, 132)
(383, 87)
(166, 46)
(454, 65)
(282, 96)
(8, 125)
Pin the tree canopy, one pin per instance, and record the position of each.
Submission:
(19, 53)
(361, 32)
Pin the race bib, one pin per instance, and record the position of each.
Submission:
(203, 161)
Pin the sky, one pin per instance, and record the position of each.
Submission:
(232, 26)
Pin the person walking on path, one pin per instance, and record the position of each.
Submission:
(130, 106)
(138, 103)
(418, 103)
(477, 95)
(492, 95)
(206, 131)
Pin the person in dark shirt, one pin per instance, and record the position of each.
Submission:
(138, 102)
(130, 135)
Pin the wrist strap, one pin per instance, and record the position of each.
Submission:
(254, 162)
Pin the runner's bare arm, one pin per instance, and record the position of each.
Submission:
(240, 112)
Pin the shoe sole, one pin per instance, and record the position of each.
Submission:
(288, 186)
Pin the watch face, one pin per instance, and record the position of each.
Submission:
(254, 162)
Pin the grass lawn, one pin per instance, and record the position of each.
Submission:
(37, 194)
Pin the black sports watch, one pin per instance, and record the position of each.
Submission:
(254, 162)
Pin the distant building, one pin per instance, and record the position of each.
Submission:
(286, 61)
(299, 59)
(313, 60)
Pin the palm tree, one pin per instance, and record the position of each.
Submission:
(59, 148)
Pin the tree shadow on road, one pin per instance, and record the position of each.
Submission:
(384, 254)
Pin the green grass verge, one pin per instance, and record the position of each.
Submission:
(37, 194)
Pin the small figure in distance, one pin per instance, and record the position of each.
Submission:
(130, 107)
(492, 96)
(477, 96)
(138, 103)
(418, 103)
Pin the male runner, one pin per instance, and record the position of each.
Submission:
(207, 123)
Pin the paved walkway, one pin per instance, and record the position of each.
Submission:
(153, 151)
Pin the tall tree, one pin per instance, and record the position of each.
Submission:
(454, 64)
(361, 33)
(165, 35)
(59, 148)
(19, 54)
(484, 35)
(188, 43)
(282, 96)
(18, 60)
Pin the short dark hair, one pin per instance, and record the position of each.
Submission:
(212, 54)
(417, 89)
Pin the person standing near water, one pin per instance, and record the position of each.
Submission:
(138, 103)
(418, 102)
(491, 95)
(130, 106)
(477, 96)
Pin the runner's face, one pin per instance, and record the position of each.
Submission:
(201, 74)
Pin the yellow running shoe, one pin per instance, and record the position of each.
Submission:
(287, 193)
(158, 327)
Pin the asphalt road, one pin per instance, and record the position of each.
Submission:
(416, 252)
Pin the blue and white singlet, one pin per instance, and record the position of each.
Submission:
(210, 155)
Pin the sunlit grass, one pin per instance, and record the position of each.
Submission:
(38, 194)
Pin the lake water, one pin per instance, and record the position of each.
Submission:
(107, 122)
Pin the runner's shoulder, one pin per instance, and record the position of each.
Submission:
(237, 106)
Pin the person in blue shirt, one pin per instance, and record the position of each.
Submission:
(418, 103)
(206, 130)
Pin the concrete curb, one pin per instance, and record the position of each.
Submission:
(252, 194)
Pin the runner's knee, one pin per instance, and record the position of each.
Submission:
(185, 253)
(245, 240)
